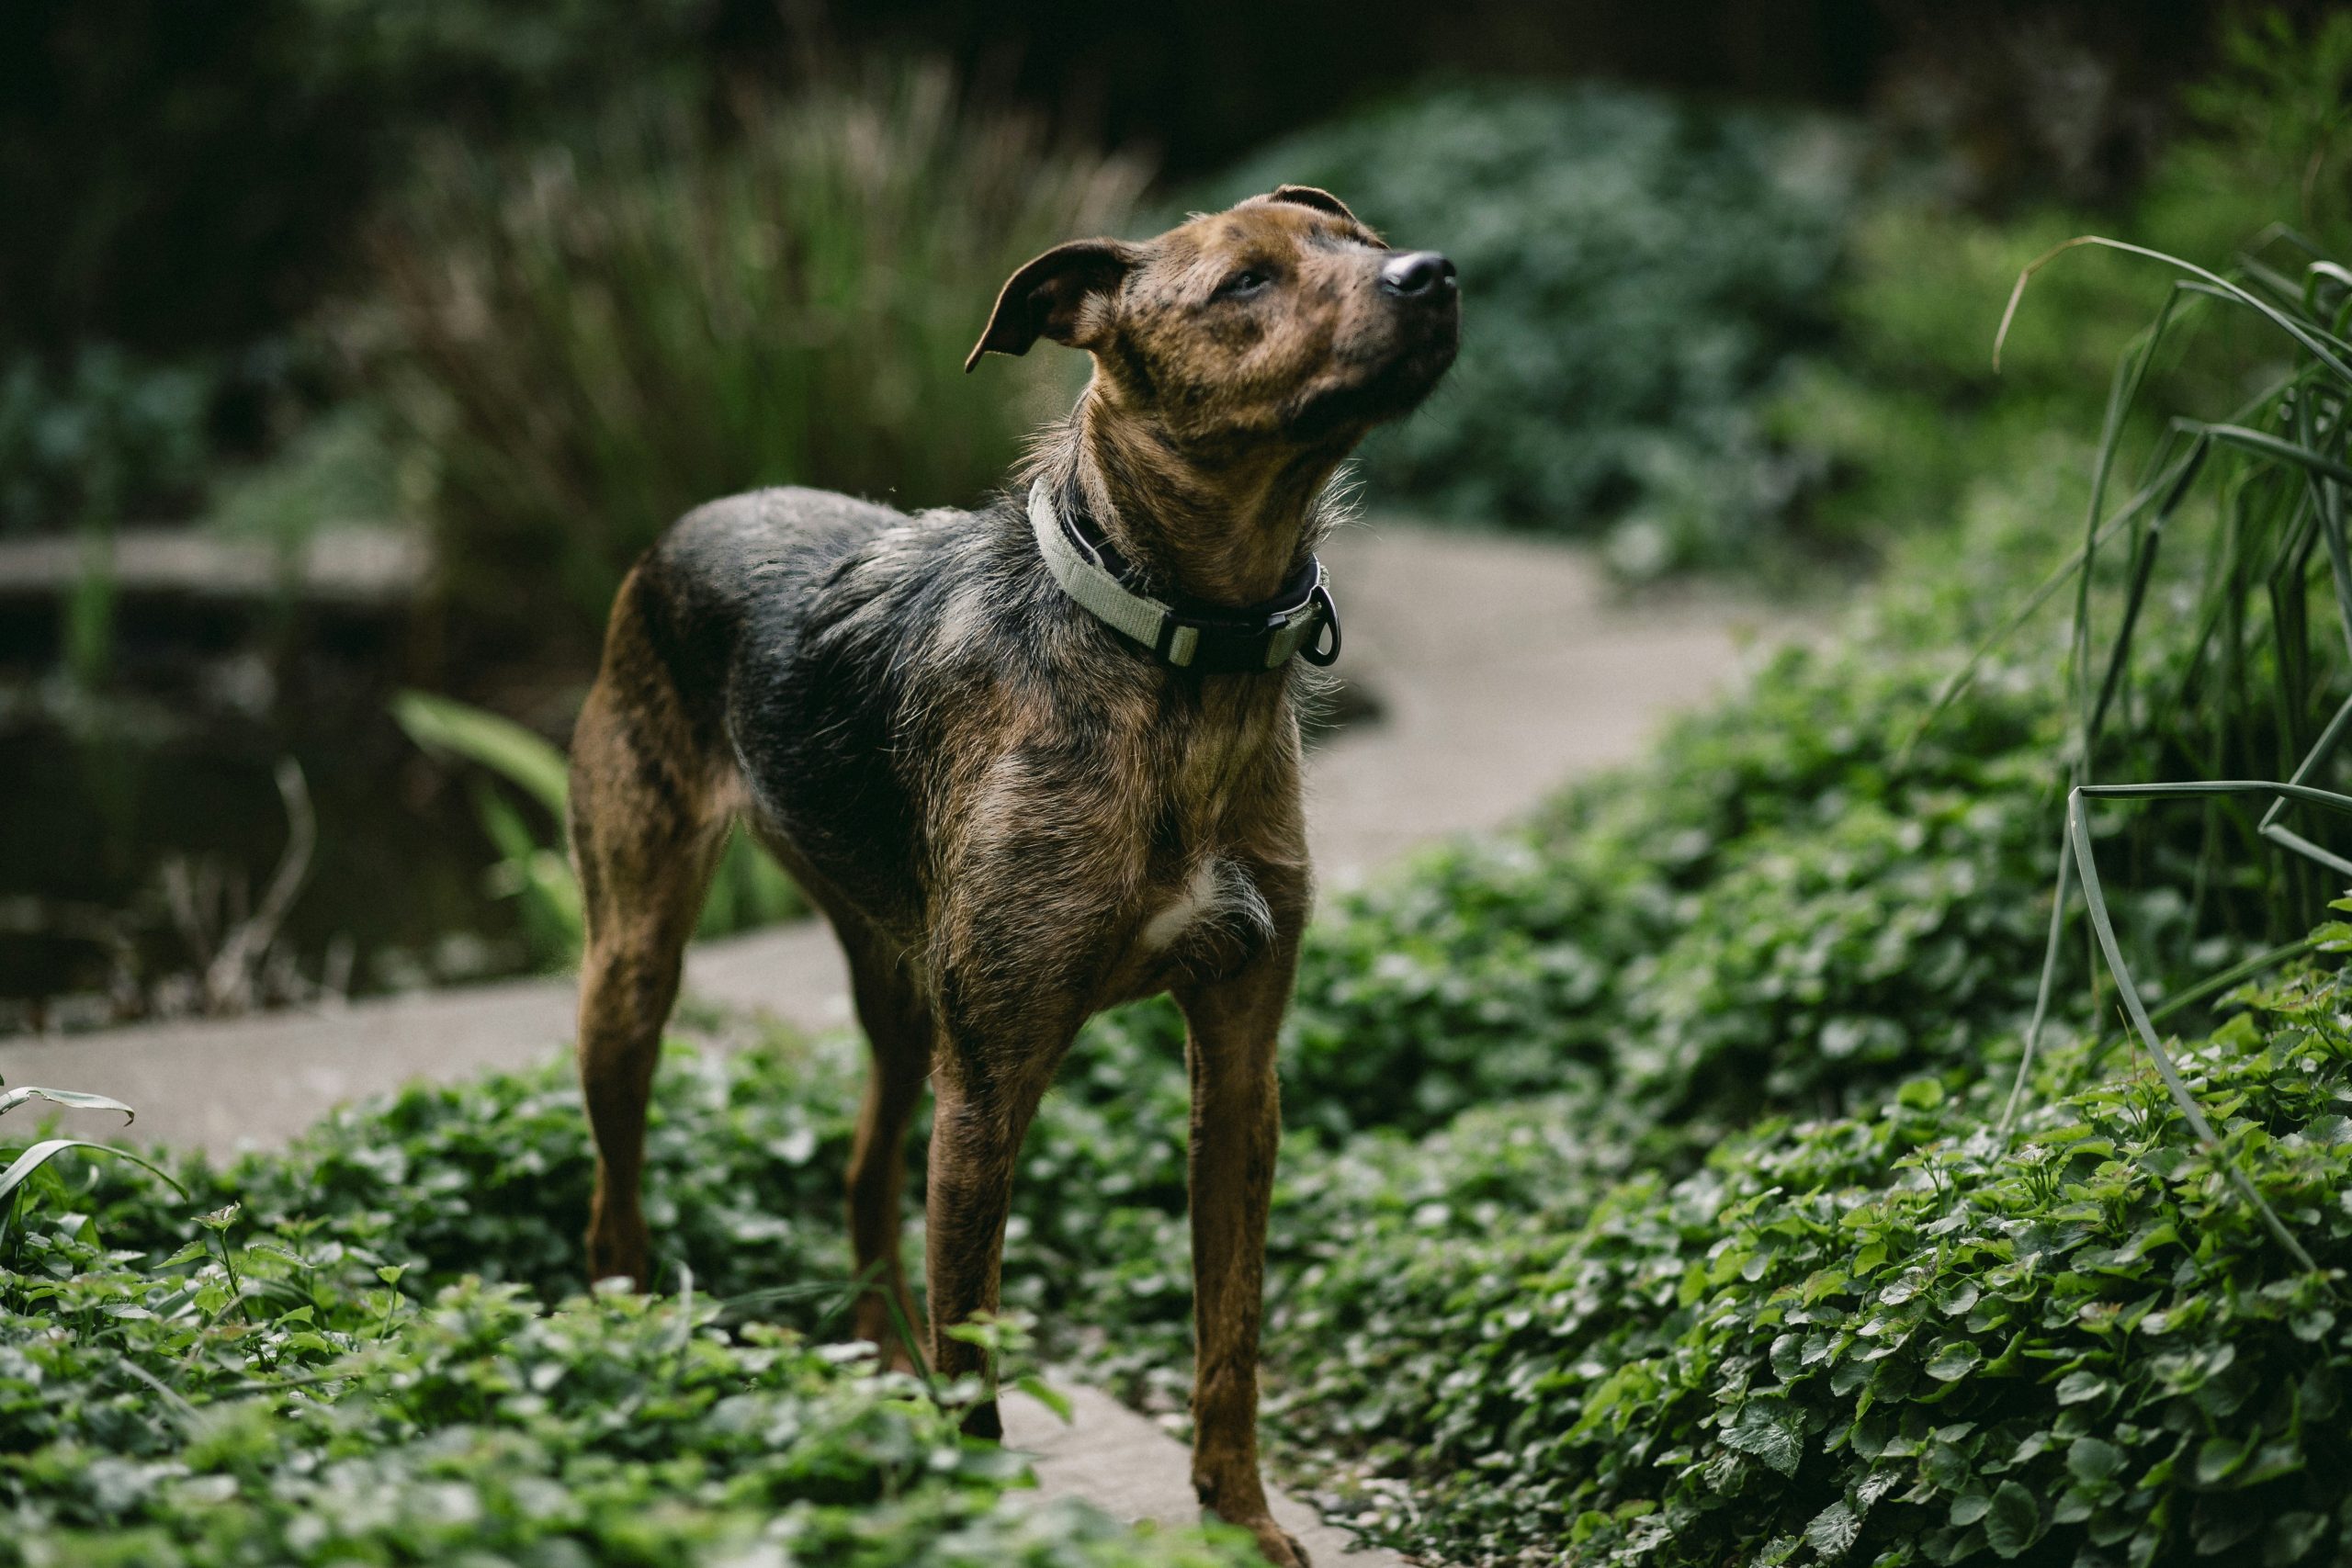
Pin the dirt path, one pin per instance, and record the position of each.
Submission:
(1500, 668)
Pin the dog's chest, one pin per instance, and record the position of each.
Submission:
(1216, 895)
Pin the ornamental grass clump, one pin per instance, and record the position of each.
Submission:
(598, 337)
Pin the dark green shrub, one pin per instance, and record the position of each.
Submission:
(1634, 270)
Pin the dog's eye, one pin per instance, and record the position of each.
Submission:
(1248, 280)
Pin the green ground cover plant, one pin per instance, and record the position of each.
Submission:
(268, 1392)
(270, 1398)
(1884, 1339)
(1526, 1331)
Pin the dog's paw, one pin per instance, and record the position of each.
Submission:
(1277, 1545)
(1281, 1548)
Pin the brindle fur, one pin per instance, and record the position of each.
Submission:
(1013, 818)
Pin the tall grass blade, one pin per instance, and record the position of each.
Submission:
(72, 1099)
(47, 1149)
(2095, 905)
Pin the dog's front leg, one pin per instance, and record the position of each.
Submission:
(980, 1112)
(1236, 1124)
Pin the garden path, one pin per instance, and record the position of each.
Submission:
(1500, 667)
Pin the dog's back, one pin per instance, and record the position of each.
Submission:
(734, 578)
(807, 644)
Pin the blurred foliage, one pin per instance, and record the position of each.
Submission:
(1633, 269)
(1909, 422)
(184, 175)
(341, 466)
(599, 337)
(108, 436)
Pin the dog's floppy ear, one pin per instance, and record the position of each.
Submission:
(1322, 201)
(1046, 296)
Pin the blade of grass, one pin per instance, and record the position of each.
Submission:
(2314, 343)
(2041, 994)
(2095, 904)
(70, 1098)
(41, 1154)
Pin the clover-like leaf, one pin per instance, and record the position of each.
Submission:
(2014, 1521)
(1770, 1430)
(1954, 1360)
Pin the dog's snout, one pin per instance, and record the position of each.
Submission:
(1417, 275)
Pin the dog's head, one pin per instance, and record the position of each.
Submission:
(1281, 322)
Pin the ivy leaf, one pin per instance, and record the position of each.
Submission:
(2093, 1460)
(1954, 1360)
(1833, 1530)
(1771, 1431)
(2014, 1522)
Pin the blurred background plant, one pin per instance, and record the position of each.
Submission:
(1638, 268)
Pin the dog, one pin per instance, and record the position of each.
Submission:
(1030, 761)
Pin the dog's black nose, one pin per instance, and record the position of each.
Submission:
(1417, 275)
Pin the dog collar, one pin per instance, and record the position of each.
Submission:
(1198, 636)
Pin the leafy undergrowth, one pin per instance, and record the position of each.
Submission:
(1885, 1339)
(265, 1397)
(1879, 1338)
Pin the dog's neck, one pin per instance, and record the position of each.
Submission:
(1229, 535)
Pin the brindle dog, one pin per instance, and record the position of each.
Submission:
(1013, 815)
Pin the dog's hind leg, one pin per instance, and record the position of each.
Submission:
(897, 1023)
(648, 818)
